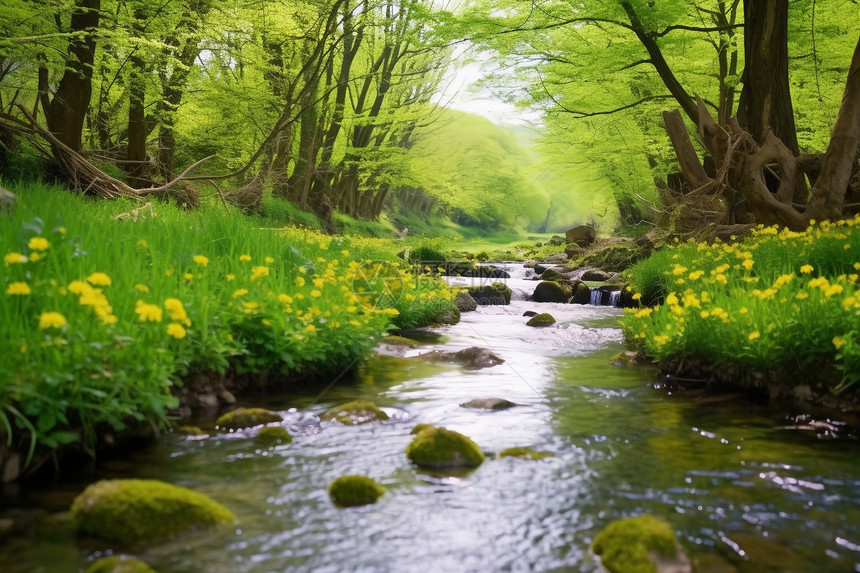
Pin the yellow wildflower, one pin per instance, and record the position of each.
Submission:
(695, 275)
(258, 272)
(833, 289)
(345, 253)
(230, 277)
(201, 260)
(175, 330)
(806, 269)
(672, 299)
(99, 279)
(142, 243)
(802, 295)
(661, 339)
(177, 311)
(245, 258)
(838, 342)
(52, 319)
(35, 257)
(141, 287)
(269, 260)
(300, 281)
(637, 296)
(748, 264)
(148, 312)
(14, 258)
(754, 334)
(240, 292)
(18, 288)
(315, 293)
(38, 244)
(310, 328)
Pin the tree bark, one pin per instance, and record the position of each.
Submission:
(66, 113)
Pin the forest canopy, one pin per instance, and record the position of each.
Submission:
(338, 105)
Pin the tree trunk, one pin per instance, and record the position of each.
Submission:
(67, 111)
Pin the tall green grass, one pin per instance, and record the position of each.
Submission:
(101, 317)
(778, 299)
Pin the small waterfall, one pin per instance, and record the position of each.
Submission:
(600, 296)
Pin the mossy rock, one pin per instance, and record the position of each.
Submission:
(553, 275)
(119, 564)
(354, 413)
(273, 436)
(542, 319)
(132, 511)
(401, 341)
(352, 490)
(420, 428)
(442, 448)
(189, 431)
(495, 294)
(549, 291)
(524, 453)
(581, 293)
(247, 418)
(614, 256)
(633, 544)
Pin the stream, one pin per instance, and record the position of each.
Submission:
(742, 493)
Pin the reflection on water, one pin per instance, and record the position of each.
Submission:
(741, 495)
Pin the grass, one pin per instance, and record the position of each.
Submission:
(776, 299)
(102, 317)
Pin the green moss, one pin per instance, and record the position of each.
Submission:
(353, 413)
(553, 275)
(119, 564)
(624, 545)
(497, 293)
(188, 431)
(140, 511)
(524, 453)
(273, 436)
(611, 257)
(400, 341)
(441, 448)
(247, 418)
(420, 428)
(352, 490)
(548, 291)
(542, 319)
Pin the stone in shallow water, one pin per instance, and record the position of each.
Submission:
(549, 291)
(133, 511)
(119, 564)
(488, 404)
(473, 357)
(437, 448)
(542, 319)
(273, 436)
(352, 490)
(354, 413)
(639, 544)
(247, 418)
(524, 453)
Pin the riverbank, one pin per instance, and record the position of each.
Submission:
(109, 306)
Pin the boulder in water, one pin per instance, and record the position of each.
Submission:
(119, 564)
(437, 448)
(642, 543)
(488, 404)
(465, 302)
(540, 268)
(581, 293)
(192, 431)
(530, 313)
(473, 358)
(400, 341)
(524, 453)
(495, 294)
(582, 236)
(273, 436)
(133, 511)
(247, 418)
(554, 275)
(542, 319)
(354, 413)
(595, 275)
(548, 291)
(353, 490)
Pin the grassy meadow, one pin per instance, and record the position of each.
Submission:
(101, 317)
(776, 299)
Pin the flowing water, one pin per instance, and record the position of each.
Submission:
(741, 493)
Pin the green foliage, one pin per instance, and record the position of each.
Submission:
(775, 299)
(624, 545)
(102, 317)
(354, 490)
